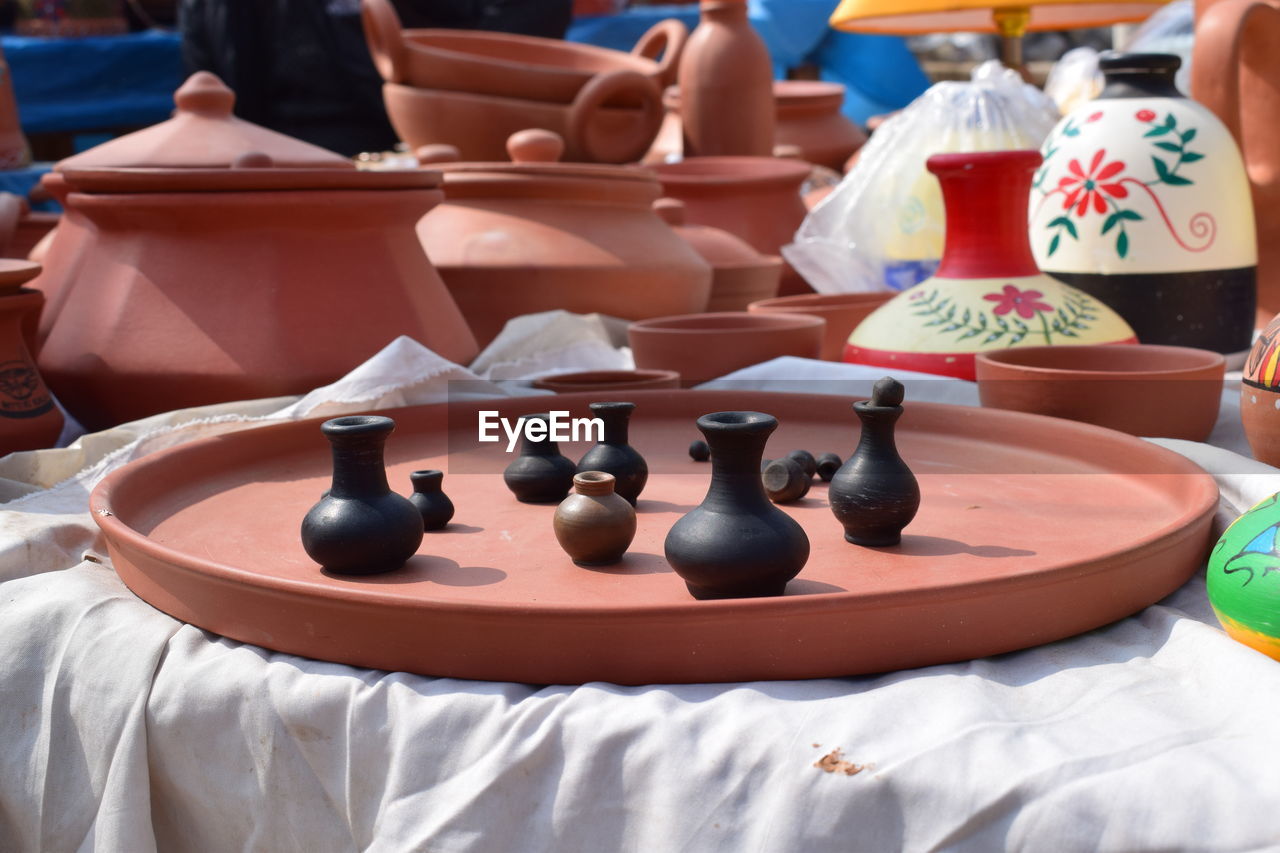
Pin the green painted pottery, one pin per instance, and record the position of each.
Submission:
(1244, 578)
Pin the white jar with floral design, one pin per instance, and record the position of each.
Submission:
(1143, 202)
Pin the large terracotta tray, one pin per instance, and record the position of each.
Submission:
(1031, 529)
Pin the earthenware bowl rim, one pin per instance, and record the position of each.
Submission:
(1207, 360)
(752, 323)
(819, 301)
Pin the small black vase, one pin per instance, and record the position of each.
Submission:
(614, 455)
(540, 474)
(736, 544)
(360, 527)
(874, 494)
(429, 497)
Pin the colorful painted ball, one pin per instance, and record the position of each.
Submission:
(1244, 578)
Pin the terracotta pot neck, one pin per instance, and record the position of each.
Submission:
(985, 195)
(723, 11)
(593, 483)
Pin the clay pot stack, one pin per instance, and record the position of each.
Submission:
(473, 89)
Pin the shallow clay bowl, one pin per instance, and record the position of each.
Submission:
(702, 347)
(595, 381)
(1166, 392)
(842, 311)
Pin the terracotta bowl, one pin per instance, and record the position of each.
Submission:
(1161, 391)
(593, 128)
(595, 381)
(842, 311)
(702, 347)
(509, 65)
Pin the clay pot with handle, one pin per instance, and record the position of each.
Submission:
(1235, 72)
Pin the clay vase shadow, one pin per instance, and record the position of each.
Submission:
(646, 505)
(427, 568)
(805, 586)
(939, 546)
(634, 563)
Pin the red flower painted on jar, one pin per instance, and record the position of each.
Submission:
(1081, 187)
(1094, 117)
(1023, 301)
(1145, 116)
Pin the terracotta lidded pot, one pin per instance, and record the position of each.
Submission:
(726, 85)
(842, 311)
(240, 263)
(739, 274)
(1143, 203)
(535, 234)
(29, 418)
(987, 292)
(594, 525)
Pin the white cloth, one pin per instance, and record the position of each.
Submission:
(125, 730)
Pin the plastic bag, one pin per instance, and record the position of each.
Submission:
(1171, 29)
(882, 228)
(1074, 79)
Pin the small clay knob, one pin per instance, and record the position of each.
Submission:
(828, 465)
(535, 146)
(438, 152)
(785, 481)
(206, 94)
(887, 392)
(670, 211)
(699, 452)
(253, 160)
(805, 460)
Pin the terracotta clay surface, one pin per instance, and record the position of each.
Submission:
(29, 418)
(535, 234)
(842, 311)
(755, 198)
(980, 571)
(701, 347)
(1235, 72)
(739, 274)
(1146, 390)
(507, 64)
(595, 381)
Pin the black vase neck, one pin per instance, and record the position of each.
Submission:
(616, 418)
(877, 426)
(357, 444)
(737, 441)
(538, 447)
(1139, 75)
(427, 482)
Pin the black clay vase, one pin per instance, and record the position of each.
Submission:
(874, 494)
(614, 455)
(360, 527)
(540, 474)
(428, 496)
(736, 544)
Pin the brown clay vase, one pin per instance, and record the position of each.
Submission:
(726, 85)
(1235, 72)
(14, 151)
(702, 347)
(190, 286)
(739, 274)
(533, 235)
(29, 419)
(594, 525)
(842, 311)
(755, 198)
(508, 65)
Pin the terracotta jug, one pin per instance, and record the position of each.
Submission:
(1235, 72)
(29, 418)
(240, 280)
(1143, 203)
(726, 85)
(535, 234)
(987, 292)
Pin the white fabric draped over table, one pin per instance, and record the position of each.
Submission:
(126, 730)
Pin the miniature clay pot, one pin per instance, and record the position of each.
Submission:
(701, 347)
(987, 293)
(518, 238)
(1144, 390)
(613, 120)
(736, 544)
(29, 418)
(596, 381)
(541, 474)
(613, 455)
(842, 311)
(755, 198)
(213, 311)
(509, 65)
(739, 274)
(1235, 72)
(428, 496)
(1260, 395)
(360, 527)
(594, 525)
(726, 85)
(1143, 203)
(785, 481)
(1242, 581)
